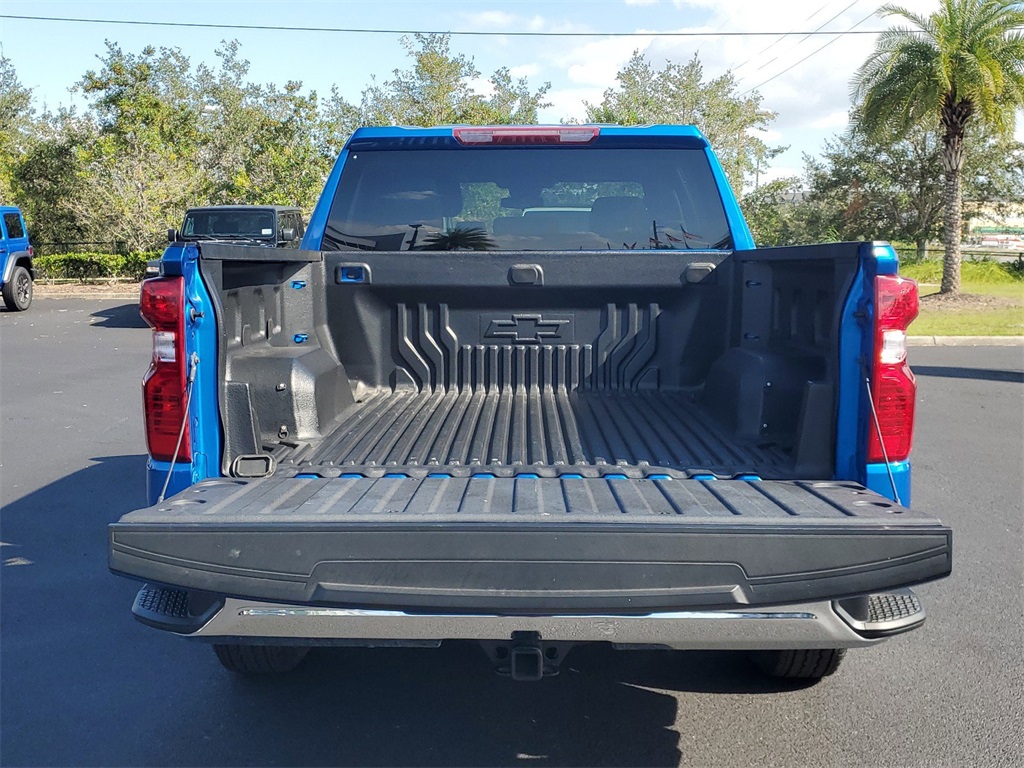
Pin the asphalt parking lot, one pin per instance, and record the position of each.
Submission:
(81, 683)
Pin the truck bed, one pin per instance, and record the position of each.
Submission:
(691, 363)
(532, 427)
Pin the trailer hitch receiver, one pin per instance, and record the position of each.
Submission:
(526, 656)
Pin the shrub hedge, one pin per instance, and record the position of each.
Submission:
(81, 266)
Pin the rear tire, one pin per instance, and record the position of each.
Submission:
(800, 664)
(260, 659)
(18, 291)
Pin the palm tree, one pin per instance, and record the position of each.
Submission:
(460, 238)
(963, 63)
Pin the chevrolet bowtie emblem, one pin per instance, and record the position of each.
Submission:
(528, 329)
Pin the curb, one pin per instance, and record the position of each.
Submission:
(965, 341)
(88, 295)
(87, 291)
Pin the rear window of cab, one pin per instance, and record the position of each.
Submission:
(557, 198)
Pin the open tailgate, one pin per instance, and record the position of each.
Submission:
(530, 544)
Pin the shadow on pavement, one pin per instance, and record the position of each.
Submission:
(981, 374)
(107, 691)
(722, 672)
(67, 518)
(121, 316)
(444, 706)
(441, 707)
(59, 657)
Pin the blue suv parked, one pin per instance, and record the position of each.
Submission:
(16, 270)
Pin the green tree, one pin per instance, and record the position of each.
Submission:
(52, 182)
(679, 94)
(16, 118)
(144, 162)
(228, 115)
(962, 64)
(438, 90)
(284, 166)
(866, 188)
(773, 212)
(261, 144)
(338, 119)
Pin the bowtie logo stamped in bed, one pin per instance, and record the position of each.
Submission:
(527, 329)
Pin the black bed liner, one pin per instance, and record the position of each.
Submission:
(535, 545)
(693, 362)
(550, 428)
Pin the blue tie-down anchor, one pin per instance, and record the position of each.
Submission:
(300, 338)
(351, 274)
(298, 284)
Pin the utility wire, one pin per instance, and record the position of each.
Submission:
(805, 58)
(779, 40)
(807, 35)
(453, 33)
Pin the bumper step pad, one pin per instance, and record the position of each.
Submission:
(883, 614)
(176, 610)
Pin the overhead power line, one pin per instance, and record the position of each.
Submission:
(805, 58)
(806, 36)
(452, 32)
(779, 40)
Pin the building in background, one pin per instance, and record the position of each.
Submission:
(995, 225)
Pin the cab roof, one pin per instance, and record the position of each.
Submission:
(243, 208)
(444, 136)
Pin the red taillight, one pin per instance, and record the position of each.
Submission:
(526, 134)
(162, 305)
(893, 388)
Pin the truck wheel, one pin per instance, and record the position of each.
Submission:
(260, 659)
(800, 664)
(18, 292)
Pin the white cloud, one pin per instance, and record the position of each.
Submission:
(780, 172)
(807, 87)
(482, 86)
(598, 61)
(524, 70)
(567, 26)
(567, 103)
(767, 135)
(510, 22)
(838, 119)
(536, 24)
(492, 19)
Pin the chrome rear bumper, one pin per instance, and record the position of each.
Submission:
(810, 625)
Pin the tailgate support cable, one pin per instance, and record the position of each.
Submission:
(881, 442)
(193, 363)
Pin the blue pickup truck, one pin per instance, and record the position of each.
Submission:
(16, 269)
(532, 386)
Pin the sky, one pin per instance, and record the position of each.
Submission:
(806, 80)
